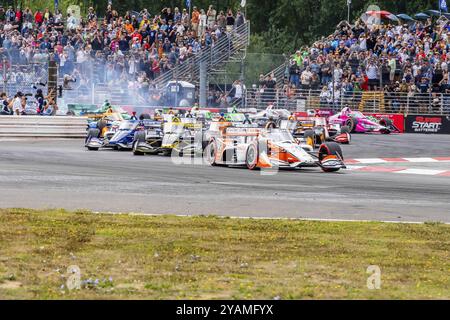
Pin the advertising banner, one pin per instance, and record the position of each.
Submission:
(427, 124)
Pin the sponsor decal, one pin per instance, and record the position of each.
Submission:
(427, 124)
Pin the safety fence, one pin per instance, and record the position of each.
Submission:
(365, 101)
(14, 127)
(230, 45)
(26, 78)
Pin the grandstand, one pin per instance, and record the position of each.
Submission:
(388, 64)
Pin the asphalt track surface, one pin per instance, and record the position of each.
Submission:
(62, 174)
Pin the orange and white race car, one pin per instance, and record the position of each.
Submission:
(268, 148)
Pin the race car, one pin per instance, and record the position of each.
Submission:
(270, 113)
(148, 138)
(316, 130)
(181, 136)
(358, 122)
(121, 139)
(258, 148)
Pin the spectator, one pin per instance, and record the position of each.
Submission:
(372, 75)
(195, 20)
(239, 91)
(240, 20)
(211, 14)
(17, 107)
(5, 105)
(202, 23)
(114, 51)
(230, 21)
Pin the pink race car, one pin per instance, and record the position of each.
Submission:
(358, 122)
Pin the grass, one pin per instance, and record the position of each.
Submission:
(166, 257)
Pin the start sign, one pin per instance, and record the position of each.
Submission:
(427, 124)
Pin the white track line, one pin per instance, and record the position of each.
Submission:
(269, 218)
(421, 160)
(371, 161)
(398, 160)
(426, 172)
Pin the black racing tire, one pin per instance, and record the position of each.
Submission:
(351, 124)
(251, 158)
(204, 144)
(278, 122)
(270, 125)
(345, 129)
(211, 153)
(310, 138)
(92, 149)
(135, 151)
(385, 122)
(92, 133)
(145, 116)
(330, 149)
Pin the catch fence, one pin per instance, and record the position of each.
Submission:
(365, 101)
(25, 78)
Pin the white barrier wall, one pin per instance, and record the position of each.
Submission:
(42, 127)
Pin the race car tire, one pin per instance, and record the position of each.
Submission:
(204, 144)
(270, 125)
(92, 133)
(211, 153)
(351, 124)
(385, 122)
(251, 158)
(345, 129)
(278, 122)
(135, 151)
(330, 149)
(92, 149)
(145, 116)
(310, 138)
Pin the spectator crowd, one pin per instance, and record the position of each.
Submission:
(406, 60)
(123, 51)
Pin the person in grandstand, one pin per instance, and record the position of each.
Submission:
(50, 106)
(17, 103)
(5, 105)
(39, 96)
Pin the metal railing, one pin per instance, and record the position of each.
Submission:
(364, 101)
(14, 77)
(228, 46)
(280, 73)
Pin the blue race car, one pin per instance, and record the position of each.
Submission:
(118, 138)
